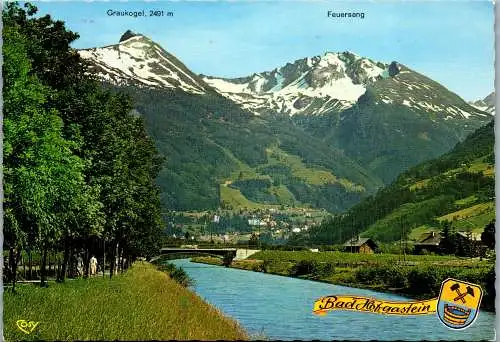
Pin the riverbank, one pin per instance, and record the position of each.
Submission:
(421, 281)
(141, 304)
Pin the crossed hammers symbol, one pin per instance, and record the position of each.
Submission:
(456, 287)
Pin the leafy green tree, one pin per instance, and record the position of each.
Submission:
(448, 245)
(488, 235)
(45, 188)
(254, 240)
(89, 163)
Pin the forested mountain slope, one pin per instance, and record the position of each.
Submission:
(458, 186)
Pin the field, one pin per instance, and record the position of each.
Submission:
(235, 199)
(474, 218)
(342, 258)
(476, 166)
(142, 304)
(480, 165)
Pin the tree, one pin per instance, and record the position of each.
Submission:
(227, 259)
(254, 240)
(448, 244)
(45, 188)
(79, 169)
(488, 235)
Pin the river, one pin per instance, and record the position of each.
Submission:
(281, 308)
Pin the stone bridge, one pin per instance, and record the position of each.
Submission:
(225, 253)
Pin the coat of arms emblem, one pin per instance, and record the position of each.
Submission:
(458, 303)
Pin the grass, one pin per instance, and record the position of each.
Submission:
(285, 196)
(277, 157)
(474, 218)
(142, 304)
(479, 165)
(467, 200)
(313, 176)
(474, 210)
(235, 199)
(420, 184)
(388, 228)
(343, 258)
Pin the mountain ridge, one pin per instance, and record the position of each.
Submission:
(486, 104)
(140, 61)
(342, 145)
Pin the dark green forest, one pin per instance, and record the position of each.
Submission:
(79, 170)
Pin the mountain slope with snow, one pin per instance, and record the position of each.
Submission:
(334, 82)
(420, 94)
(315, 85)
(487, 104)
(139, 61)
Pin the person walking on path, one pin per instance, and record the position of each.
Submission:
(93, 266)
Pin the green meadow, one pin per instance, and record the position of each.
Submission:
(142, 304)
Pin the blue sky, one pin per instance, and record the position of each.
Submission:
(450, 41)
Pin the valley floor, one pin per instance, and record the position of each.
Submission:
(141, 304)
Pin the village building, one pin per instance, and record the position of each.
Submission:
(428, 242)
(360, 245)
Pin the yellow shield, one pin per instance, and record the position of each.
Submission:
(458, 303)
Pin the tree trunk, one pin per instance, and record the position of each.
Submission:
(70, 262)
(103, 257)
(112, 261)
(87, 260)
(24, 265)
(121, 260)
(86, 264)
(66, 258)
(13, 267)
(59, 267)
(30, 265)
(43, 274)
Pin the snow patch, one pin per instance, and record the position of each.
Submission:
(133, 60)
(407, 103)
(226, 86)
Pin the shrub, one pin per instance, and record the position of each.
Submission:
(176, 273)
(167, 267)
(261, 267)
(489, 289)
(425, 280)
(325, 269)
(397, 277)
(368, 274)
(304, 267)
(227, 260)
(180, 276)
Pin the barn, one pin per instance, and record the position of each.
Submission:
(360, 245)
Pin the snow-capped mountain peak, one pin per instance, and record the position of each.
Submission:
(330, 81)
(138, 60)
(487, 104)
(316, 85)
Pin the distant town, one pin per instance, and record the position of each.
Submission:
(273, 226)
